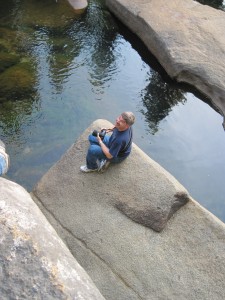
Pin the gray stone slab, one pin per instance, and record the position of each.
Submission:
(34, 262)
(186, 37)
(138, 187)
(126, 259)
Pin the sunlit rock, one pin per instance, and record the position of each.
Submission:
(35, 263)
(79, 4)
(157, 196)
(106, 221)
(186, 37)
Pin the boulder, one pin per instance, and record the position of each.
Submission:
(185, 36)
(78, 4)
(107, 221)
(17, 81)
(35, 263)
(154, 200)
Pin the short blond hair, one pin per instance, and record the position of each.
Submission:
(128, 117)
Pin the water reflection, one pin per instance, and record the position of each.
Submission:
(46, 44)
(158, 99)
(99, 33)
(48, 14)
(55, 52)
(13, 116)
(50, 25)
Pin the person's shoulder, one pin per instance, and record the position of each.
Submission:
(129, 129)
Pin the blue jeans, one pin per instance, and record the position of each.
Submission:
(95, 153)
(2, 164)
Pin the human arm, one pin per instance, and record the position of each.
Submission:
(104, 148)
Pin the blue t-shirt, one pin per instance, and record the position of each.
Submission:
(119, 141)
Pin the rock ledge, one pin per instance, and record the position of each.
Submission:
(186, 37)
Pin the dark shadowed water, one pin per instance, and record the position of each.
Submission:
(59, 72)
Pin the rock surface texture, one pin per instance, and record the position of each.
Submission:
(34, 262)
(106, 221)
(186, 37)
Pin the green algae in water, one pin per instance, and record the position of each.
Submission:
(17, 81)
(17, 74)
(17, 66)
(8, 60)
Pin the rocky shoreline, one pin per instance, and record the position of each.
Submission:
(111, 222)
(134, 229)
(187, 39)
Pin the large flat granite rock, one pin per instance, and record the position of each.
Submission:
(186, 37)
(106, 222)
(34, 262)
(138, 187)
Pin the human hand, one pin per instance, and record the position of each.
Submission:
(107, 129)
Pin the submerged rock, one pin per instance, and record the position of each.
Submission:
(51, 15)
(17, 82)
(17, 70)
(7, 60)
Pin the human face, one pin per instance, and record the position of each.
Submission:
(120, 124)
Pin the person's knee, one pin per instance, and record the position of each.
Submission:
(92, 139)
(93, 149)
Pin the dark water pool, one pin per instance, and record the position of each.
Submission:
(218, 4)
(59, 72)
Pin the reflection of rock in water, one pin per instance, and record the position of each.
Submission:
(159, 98)
(46, 14)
